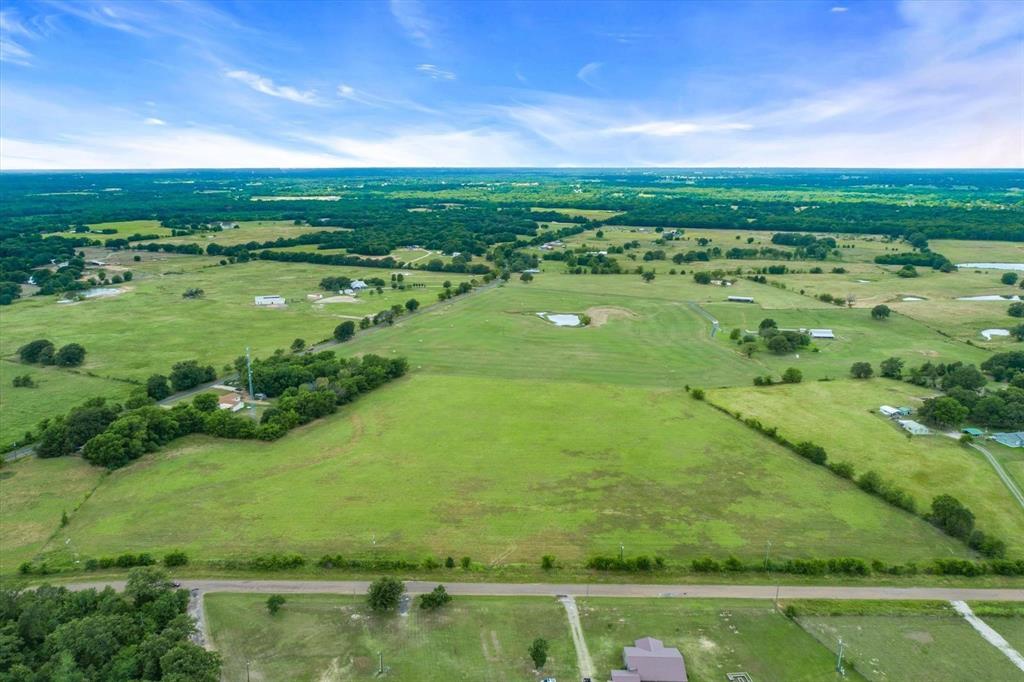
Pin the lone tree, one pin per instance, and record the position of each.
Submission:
(881, 312)
(157, 387)
(892, 368)
(274, 603)
(345, 331)
(298, 345)
(1009, 278)
(539, 652)
(1015, 310)
(40, 350)
(792, 376)
(435, 599)
(648, 276)
(385, 593)
(411, 305)
(526, 277)
(861, 370)
(71, 355)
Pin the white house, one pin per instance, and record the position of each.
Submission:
(358, 284)
(822, 334)
(889, 411)
(273, 299)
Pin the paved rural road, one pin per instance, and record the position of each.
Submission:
(600, 590)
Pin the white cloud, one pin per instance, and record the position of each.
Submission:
(461, 148)
(411, 15)
(165, 149)
(435, 72)
(155, 122)
(268, 87)
(587, 73)
(839, 10)
(676, 128)
(10, 49)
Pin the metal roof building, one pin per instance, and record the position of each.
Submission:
(651, 661)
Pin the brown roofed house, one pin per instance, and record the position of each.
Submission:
(651, 661)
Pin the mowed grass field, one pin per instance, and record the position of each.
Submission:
(920, 644)
(33, 494)
(501, 470)
(150, 326)
(124, 228)
(333, 637)
(715, 636)
(56, 391)
(842, 416)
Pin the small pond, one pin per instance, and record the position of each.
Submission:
(95, 292)
(562, 319)
(989, 297)
(912, 298)
(988, 334)
(993, 266)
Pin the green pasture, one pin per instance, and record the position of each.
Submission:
(125, 228)
(150, 326)
(33, 495)
(715, 636)
(962, 251)
(56, 391)
(935, 643)
(503, 471)
(588, 213)
(247, 231)
(842, 416)
(335, 637)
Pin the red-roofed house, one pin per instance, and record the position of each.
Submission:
(230, 401)
(651, 661)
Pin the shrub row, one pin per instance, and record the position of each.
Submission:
(637, 564)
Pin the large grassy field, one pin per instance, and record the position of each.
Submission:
(920, 645)
(503, 471)
(150, 326)
(33, 494)
(842, 417)
(715, 637)
(56, 391)
(330, 638)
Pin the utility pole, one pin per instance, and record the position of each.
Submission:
(622, 550)
(839, 659)
(248, 367)
(247, 672)
(380, 667)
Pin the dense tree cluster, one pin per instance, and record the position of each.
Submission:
(967, 395)
(52, 633)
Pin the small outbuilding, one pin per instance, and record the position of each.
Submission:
(230, 401)
(1010, 440)
(914, 428)
(651, 661)
(273, 299)
(889, 411)
(740, 299)
(971, 431)
(821, 334)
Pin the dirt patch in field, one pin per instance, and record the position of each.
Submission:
(344, 298)
(599, 315)
(920, 636)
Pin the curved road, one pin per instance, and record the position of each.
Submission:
(600, 590)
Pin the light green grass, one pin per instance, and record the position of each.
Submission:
(589, 213)
(842, 416)
(247, 231)
(715, 637)
(33, 494)
(912, 648)
(125, 228)
(150, 327)
(503, 471)
(332, 637)
(57, 390)
(962, 251)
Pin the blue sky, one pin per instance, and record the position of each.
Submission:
(413, 83)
